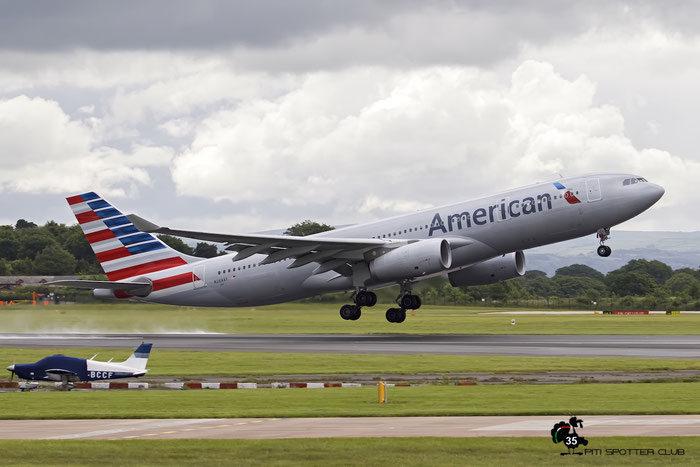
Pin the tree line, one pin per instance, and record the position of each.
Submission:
(57, 249)
(54, 249)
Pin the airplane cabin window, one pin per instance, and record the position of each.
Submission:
(634, 180)
(626, 182)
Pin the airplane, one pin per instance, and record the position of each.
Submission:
(473, 242)
(70, 369)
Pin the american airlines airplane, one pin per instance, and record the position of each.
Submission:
(473, 242)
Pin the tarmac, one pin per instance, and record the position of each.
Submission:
(276, 428)
(649, 346)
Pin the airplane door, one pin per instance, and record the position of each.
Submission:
(593, 189)
(198, 277)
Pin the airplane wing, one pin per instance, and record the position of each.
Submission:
(330, 253)
(60, 371)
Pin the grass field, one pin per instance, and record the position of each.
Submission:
(250, 364)
(632, 398)
(339, 451)
(294, 318)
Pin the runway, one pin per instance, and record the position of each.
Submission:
(655, 346)
(273, 428)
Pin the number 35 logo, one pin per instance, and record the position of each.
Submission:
(571, 442)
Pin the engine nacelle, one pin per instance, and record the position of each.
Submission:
(494, 270)
(413, 260)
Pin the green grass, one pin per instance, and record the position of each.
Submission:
(293, 318)
(340, 451)
(633, 398)
(244, 364)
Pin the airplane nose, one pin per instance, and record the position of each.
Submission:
(11, 368)
(655, 192)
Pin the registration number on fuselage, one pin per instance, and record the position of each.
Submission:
(101, 374)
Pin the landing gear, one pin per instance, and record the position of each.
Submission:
(603, 250)
(351, 312)
(66, 385)
(396, 315)
(365, 298)
(406, 301)
(361, 298)
(410, 302)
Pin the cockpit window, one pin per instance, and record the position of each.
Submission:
(632, 181)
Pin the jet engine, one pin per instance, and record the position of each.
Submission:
(413, 260)
(491, 271)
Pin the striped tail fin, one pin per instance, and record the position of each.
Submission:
(122, 250)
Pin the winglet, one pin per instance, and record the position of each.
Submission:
(142, 224)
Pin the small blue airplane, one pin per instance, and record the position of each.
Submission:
(70, 369)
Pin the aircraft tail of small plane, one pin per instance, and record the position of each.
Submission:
(123, 250)
(139, 358)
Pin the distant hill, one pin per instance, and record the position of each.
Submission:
(677, 249)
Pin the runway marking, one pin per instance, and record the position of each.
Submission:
(599, 425)
(135, 425)
(539, 425)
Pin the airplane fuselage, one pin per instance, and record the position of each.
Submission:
(479, 230)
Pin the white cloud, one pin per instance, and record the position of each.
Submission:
(372, 140)
(648, 72)
(364, 119)
(43, 150)
(91, 69)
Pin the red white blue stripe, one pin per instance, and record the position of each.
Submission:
(122, 250)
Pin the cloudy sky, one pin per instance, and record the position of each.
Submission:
(246, 116)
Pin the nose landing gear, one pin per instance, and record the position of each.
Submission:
(603, 250)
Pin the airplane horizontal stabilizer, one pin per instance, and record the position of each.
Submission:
(111, 285)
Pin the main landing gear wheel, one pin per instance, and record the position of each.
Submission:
(350, 312)
(604, 251)
(396, 315)
(365, 298)
(410, 302)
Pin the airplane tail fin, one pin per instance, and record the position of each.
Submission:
(139, 358)
(122, 249)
